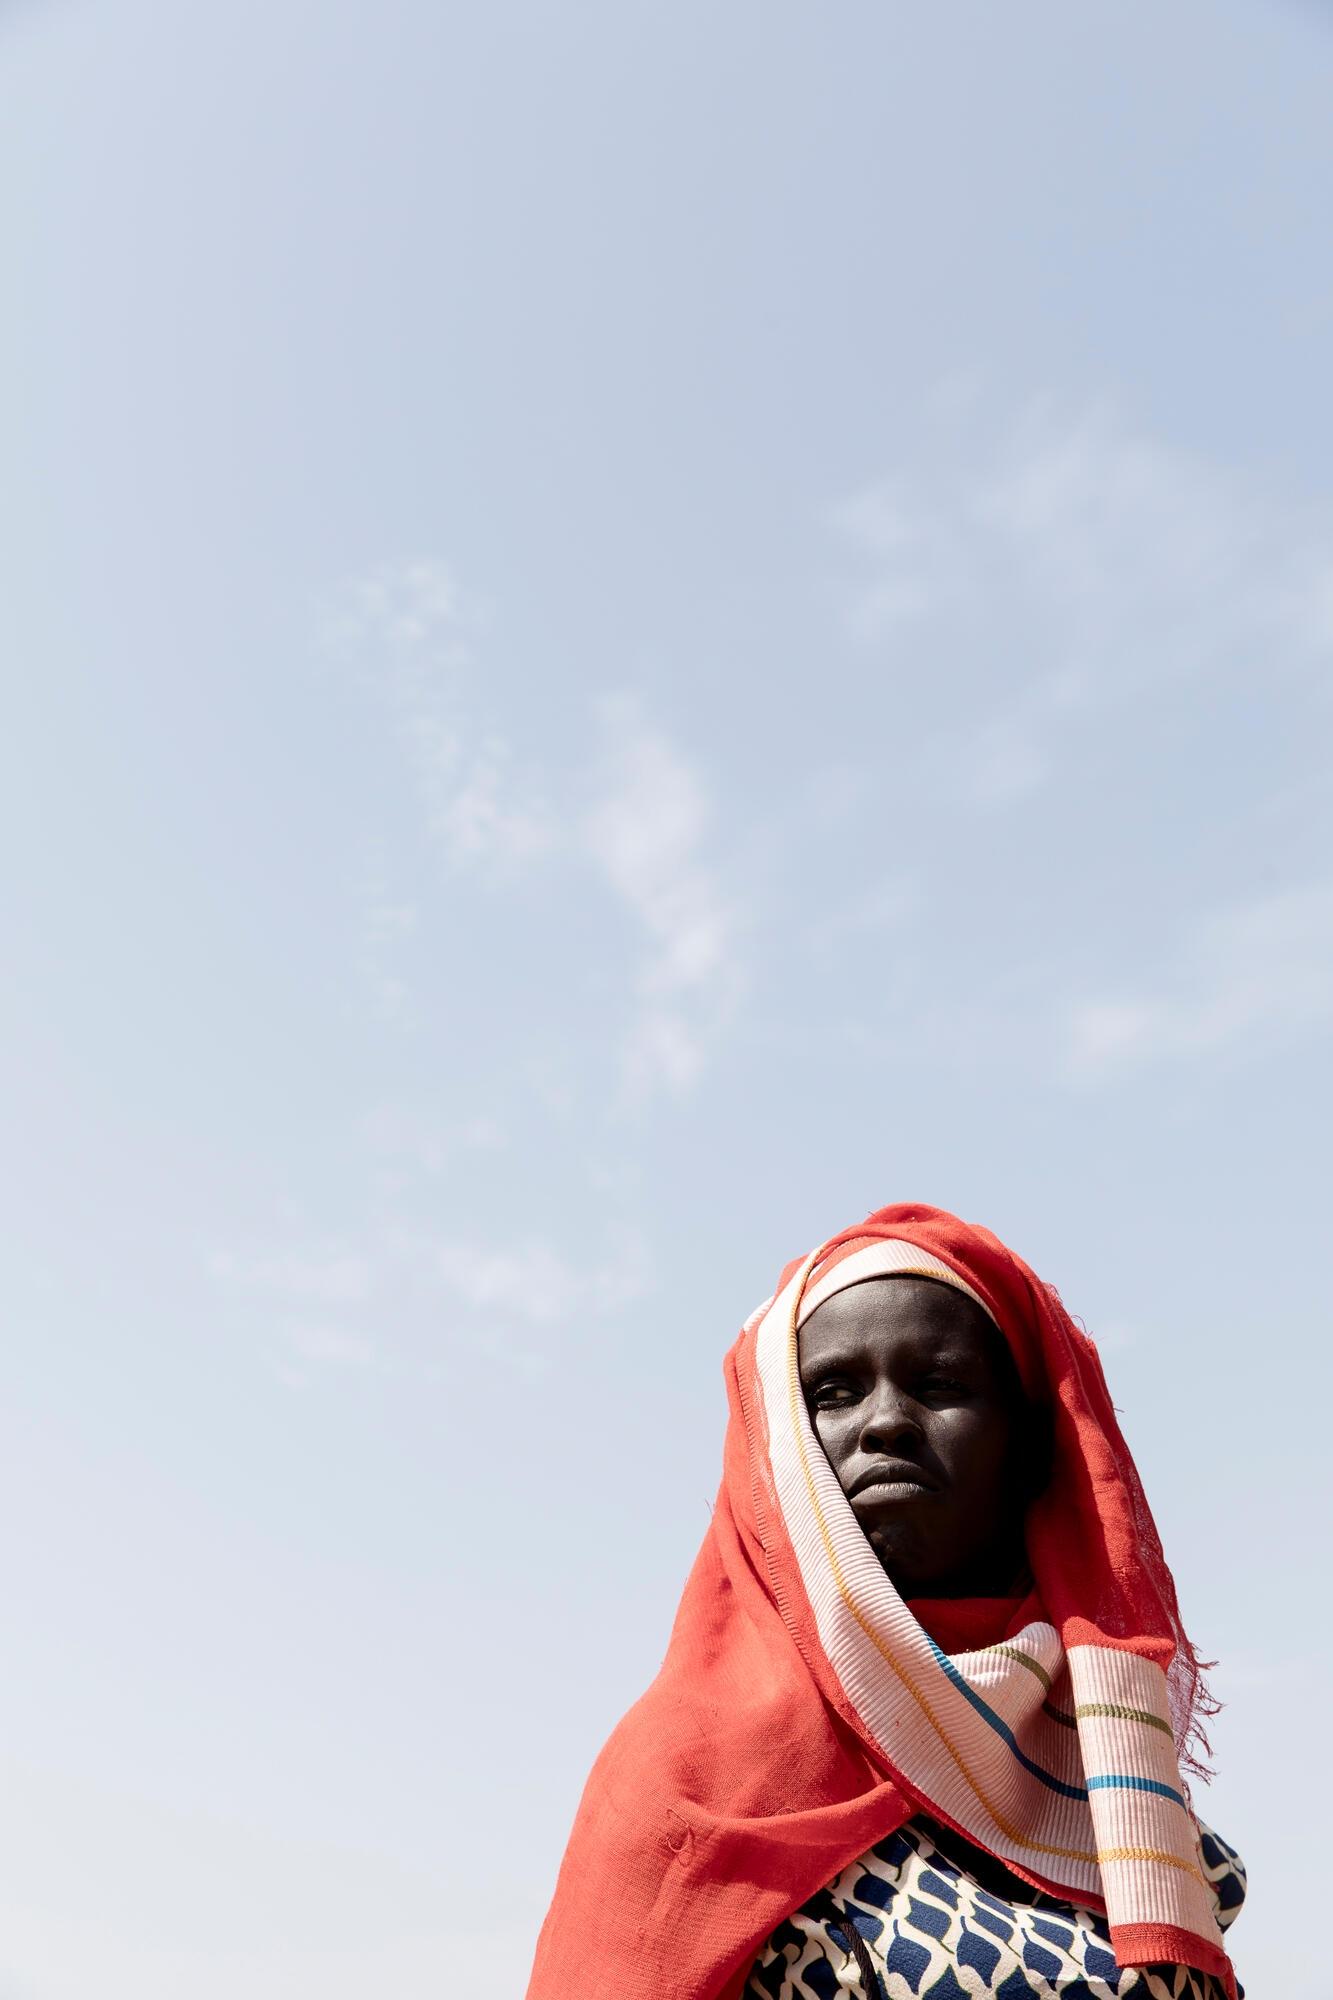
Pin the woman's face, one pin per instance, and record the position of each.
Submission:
(915, 1398)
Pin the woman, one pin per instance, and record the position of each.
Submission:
(922, 1723)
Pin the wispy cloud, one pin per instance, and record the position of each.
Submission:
(388, 925)
(325, 1306)
(329, 1345)
(1159, 562)
(1076, 566)
(647, 834)
(531, 1282)
(882, 910)
(326, 1274)
(903, 545)
(482, 817)
(404, 604)
(637, 814)
(410, 636)
(399, 1135)
(306, 1304)
(1262, 968)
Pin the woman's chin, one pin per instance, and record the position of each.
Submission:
(903, 1561)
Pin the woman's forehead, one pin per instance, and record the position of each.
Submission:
(898, 1306)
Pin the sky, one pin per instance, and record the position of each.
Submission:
(631, 629)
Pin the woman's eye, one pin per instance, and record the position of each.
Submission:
(944, 1385)
(828, 1395)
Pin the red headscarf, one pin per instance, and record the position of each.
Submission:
(747, 1778)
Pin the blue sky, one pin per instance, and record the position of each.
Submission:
(632, 630)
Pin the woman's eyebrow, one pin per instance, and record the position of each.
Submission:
(830, 1357)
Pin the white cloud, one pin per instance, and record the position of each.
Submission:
(1000, 762)
(391, 920)
(405, 604)
(646, 833)
(882, 910)
(410, 635)
(397, 1132)
(330, 1344)
(1127, 538)
(388, 925)
(1075, 567)
(326, 1275)
(1264, 967)
(640, 818)
(477, 820)
(530, 1281)
(304, 1304)
(899, 540)
(327, 1307)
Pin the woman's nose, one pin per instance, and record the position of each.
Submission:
(889, 1417)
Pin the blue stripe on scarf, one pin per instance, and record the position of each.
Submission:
(1001, 1728)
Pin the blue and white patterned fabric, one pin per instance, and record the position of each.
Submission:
(912, 1920)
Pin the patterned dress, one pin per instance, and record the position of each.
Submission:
(927, 1916)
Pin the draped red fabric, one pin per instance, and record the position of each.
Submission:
(742, 1782)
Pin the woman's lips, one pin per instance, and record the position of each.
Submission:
(891, 1492)
(894, 1481)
